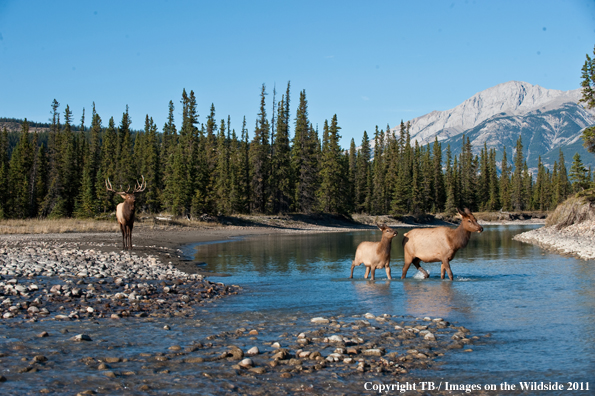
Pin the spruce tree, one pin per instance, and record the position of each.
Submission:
(19, 175)
(362, 189)
(304, 159)
(505, 187)
(281, 176)
(378, 174)
(107, 167)
(260, 159)
(517, 178)
(4, 161)
(331, 193)
(222, 172)
(578, 174)
(450, 206)
(439, 193)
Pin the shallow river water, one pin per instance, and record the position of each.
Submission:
(537, 308)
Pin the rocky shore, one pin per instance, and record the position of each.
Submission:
(577, 240)
(132, 321)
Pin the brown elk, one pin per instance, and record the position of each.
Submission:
(375, 255)
(125, 210)
(431, 245)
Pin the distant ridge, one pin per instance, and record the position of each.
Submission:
(546, 119)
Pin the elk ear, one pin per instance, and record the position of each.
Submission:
(381, 227)
(460, 212)
(123, 194)
(467, 212)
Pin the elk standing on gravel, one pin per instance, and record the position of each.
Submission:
(125, 210)
(431, 245)
(375, 254)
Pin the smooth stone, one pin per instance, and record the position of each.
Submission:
(373, 352)
(253, 351)
(81, 337)
(318, 320)
(246, 363)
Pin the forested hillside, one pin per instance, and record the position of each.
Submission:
(283, 164)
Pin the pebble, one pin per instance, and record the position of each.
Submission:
(246, 363)
(320, 320)
(81, 337)
(253, 351)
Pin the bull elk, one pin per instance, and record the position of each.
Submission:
(125, 210)
(375, 255)
(438, 244)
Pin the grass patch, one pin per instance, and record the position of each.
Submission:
(56, 226)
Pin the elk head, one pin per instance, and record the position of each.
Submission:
(469, 221)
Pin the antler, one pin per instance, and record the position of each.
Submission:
(107, 182)
(108, 186)
(140, 187)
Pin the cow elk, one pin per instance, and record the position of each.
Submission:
(375, 255)
(438, 244)
(125, 210)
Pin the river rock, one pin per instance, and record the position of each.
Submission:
(246, 363)
(373, 352)
(253, 351)
(320, 320)
(81, 337)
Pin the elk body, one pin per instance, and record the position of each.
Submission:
(125, 210)
(438, 244)
(375, 255)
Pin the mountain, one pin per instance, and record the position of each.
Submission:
(547, 120)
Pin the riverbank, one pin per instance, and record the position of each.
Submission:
(577, 240)
(569, 230)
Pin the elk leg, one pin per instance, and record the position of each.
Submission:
(367, 272)
(123, 236)
(373, 271)
(416, 263)
(388, 272)
(406, 265)
(445, 267)
(352, 267)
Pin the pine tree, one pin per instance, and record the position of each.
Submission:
(331, 193)
(378, 174)
(450, 206)
(107, 167)
(563, 186)
(438, 184)
(125, 165)
(417, 200)
(494, 185)
(517, 177)
(281, 176)
(150, 169)
(4, 161)
(362, 189)
(401, 202)
(222, 172)
(260, 159)
(20, 175)
(304, 160)
(578, 174)
(505, 187)
(352, 163)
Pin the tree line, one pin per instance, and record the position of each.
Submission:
(210, 168)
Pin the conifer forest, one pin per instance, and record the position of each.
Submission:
(283, 164)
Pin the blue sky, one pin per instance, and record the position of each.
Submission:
(370, 62)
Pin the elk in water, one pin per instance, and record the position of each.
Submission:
(438, 244)
(375, 255)
(125, 210)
